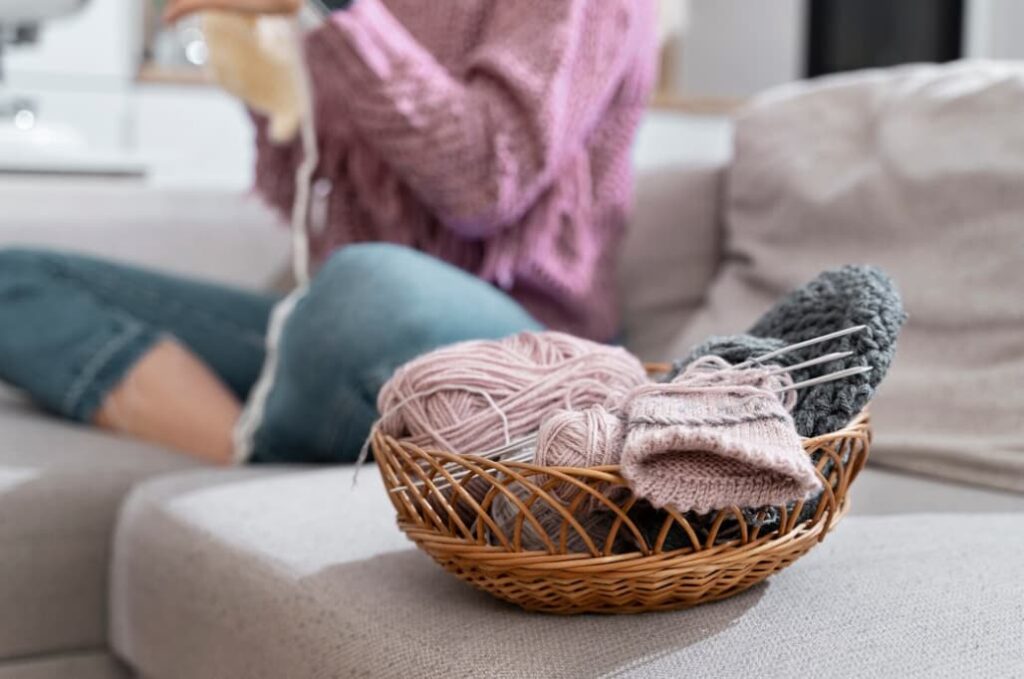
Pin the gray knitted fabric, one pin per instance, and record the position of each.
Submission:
(852, 295)
(838, 299)
(734, 349)
(649, 521)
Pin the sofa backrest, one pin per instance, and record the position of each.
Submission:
(674, 242)
(919, 170)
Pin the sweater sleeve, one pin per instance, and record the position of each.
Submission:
(477, 147)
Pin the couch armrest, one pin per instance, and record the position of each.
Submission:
(227, 237)
(671, 254)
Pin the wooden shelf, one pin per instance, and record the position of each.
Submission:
(708, 106)
(151, 73)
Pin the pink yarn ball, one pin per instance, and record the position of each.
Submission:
(591, 437)
(474, 396)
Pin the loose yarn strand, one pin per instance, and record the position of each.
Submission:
(364, 451)
(307, 168)
(481, 394)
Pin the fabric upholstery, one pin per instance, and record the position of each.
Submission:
(880, 492)
(270, 573)
(252, 574)
(60, 489)
(671, 253)
(224, 237)
(916, 170)
(97, 665)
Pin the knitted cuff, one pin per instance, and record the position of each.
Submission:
(699, 447)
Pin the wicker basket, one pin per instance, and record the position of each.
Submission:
(721, 554)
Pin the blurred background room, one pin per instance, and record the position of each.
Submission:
(99, 101)
(101, 90)
(119, 559)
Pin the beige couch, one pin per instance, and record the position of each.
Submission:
(118, 559)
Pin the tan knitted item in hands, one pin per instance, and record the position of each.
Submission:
(259, 59)
(701, 443)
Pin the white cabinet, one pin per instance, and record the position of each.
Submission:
(97, 47)
(164, 135)
(736, 48)
(70, 104)
(193, 137)
(994, 29)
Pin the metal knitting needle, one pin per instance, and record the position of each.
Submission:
(508, 447)
(799, 345)
(518, 443)
(827, 358)
(831, 377)
(492, 454)
(497, 453)
(526, 456)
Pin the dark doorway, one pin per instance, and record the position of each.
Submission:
(845, 35)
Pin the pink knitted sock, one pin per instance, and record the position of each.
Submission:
(714, 439)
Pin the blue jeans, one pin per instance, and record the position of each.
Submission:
(71, 327)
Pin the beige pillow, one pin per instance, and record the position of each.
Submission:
(670, 254)
(919, 170)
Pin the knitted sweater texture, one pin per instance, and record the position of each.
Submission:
(493, 134)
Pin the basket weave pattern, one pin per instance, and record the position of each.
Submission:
(450, 519)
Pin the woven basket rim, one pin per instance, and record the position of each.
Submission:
(723, 557)
(856, 426)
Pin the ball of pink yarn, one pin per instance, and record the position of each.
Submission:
(473, 396)
(591, 437)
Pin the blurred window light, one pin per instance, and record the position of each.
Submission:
(197, 52)
(193, 45)
(24, 119)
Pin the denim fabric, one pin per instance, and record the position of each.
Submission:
(72, 326)
(370, 308)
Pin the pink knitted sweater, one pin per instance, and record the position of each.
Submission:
(493, 134)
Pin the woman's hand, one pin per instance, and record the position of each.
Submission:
(176, 9)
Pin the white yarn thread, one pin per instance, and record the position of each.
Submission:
(252, 415)
(244, 434)
(449, 397)
(307, 168)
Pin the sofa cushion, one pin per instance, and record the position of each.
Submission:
(255, 573)
(94, 665)
(221, 236)
(671, 253)
(60, 489)
(879, 491)
(918, 170)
